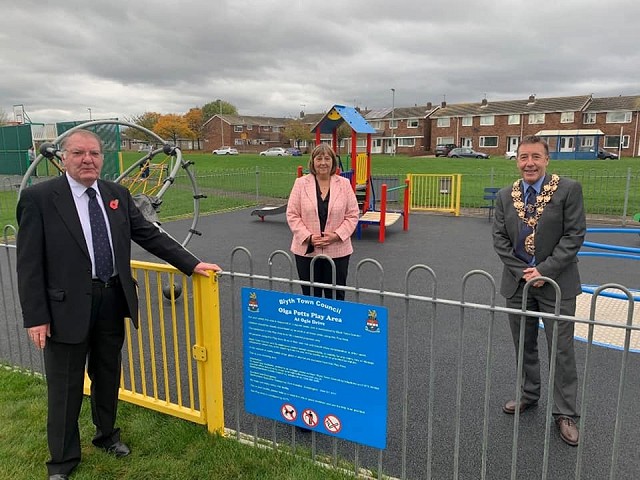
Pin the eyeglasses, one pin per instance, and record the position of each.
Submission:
(94, 154)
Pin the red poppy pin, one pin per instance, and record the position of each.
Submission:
(113, 204)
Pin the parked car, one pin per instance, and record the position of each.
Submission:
(511, 155)
(606, 154)
(443, 149)
(466, 152)
(225, 151)
(294, 152)
(275, 152)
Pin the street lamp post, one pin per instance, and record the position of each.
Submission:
(221, 127)
(89, 108)
(393, 107)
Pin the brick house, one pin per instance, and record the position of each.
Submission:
(405, 130)
(617, 118)
(496, 127)
(246, 133)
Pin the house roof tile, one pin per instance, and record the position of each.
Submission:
(608, 104)
(525, 106)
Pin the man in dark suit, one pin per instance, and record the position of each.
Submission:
(76, 288)
(538, 229)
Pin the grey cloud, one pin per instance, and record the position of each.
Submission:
(270, 57)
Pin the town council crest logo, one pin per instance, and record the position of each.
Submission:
(372, 322)
(253, 303)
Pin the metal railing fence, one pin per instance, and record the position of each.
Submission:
(451, 366)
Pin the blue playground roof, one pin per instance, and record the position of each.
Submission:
(338, 114)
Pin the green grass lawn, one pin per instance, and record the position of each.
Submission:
(245, 179)
(163, 447)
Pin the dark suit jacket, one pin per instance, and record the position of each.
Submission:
(53, 263)
(559, 236)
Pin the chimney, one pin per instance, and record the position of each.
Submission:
(484, 102)
(301, 113)
(443, 104)
(532, 98)
(429, 106)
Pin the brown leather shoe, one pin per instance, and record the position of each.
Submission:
(568, 430)
(510, 407)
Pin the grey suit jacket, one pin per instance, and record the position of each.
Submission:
(53, 262)
(559, 236)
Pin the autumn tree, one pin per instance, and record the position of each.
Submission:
(147, 120)
(172, 126)
(195, 121)
(297, 131)
(215, 108)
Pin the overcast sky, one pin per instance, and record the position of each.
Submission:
(275, 57)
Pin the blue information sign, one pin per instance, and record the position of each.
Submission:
(316, 363)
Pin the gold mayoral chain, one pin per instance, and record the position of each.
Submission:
(534, 211)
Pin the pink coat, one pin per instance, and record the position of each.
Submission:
(302, 215)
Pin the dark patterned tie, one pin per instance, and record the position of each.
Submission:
(526, 230)
(101, 247)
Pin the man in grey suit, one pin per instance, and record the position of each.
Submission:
(76, 288)
(538, 229)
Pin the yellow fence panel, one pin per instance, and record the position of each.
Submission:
(361, 169)
(173, 362)
(435, 192)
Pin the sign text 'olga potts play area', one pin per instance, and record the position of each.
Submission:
(316, 363)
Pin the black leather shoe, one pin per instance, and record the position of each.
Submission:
(510, 407)
(118, 449)
(59, 476)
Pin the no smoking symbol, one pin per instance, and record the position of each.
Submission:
(332, 424)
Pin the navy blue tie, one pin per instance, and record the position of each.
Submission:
(525, 229)
(101, 247)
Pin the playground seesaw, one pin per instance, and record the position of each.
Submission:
(269, 210)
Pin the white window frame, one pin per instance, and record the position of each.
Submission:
(413, 123)
(444, 140)
(589, 118)
(618, 117)
(238, 141)
(238, 128)
(612, 141)
(536, 118)
(487, 120)
(407, 142)
(443, 122)
(514, 119)
(467, 121)
(567, 117)
(377, 125)
(483, 140)
(249, 127)
(587, 142)
(393, 124)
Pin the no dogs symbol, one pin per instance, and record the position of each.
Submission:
(332, 424)
(289, 412)
(310, 418)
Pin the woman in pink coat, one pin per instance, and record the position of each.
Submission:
(322, 213)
